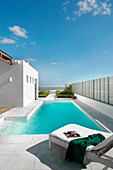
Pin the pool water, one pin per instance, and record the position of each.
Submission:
(49, 117)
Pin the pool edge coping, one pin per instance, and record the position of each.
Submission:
(7, 115)
(97, 122)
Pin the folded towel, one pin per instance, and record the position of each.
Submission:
(77, 147)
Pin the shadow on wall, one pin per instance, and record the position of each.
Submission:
(5, 82)
(5, 76)
(54, 159)
(8, 68)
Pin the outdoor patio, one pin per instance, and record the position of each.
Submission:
(31, 152)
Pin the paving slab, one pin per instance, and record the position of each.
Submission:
(31, 152)
(34, 154)
(20, 162)
(6, 139)
(4, 159)
(18, 139)
(7, 149)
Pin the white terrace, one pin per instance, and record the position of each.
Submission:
(31, 152)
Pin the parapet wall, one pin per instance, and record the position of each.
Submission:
(98, 89)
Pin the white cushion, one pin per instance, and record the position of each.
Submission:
(83, 131)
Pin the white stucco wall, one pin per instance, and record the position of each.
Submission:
(18, 92)
(11, 92)
(29, 87)
(102, 107)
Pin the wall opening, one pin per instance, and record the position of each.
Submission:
(35, 89)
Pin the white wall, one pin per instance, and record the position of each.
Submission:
(29, 87)
(11, 92)
(102, 107)
(17, 93)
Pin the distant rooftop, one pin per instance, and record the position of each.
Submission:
(5, 57)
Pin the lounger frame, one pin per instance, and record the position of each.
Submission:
(92, 153)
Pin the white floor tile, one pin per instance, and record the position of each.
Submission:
(7, 149)
(19, 162)
(6, 139)
(4, 160)
(22, 139)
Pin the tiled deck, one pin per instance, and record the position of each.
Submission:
(32, 153)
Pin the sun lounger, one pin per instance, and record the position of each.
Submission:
(93, 153)
(59, 137)
(97, 153)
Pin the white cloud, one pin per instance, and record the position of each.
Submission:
(18, 31)
(60, 63)
(75, 65)
(104, 13)
(54, 63)
(65, 81)
(76, 13)
(66, 3)
(96, 12)
(7, 41)
(30, 59)
(73, 19)
(93, 3)
(33, 43)
(64, 9)
(103, 9)
(68, 18)
(95, 7)
(14, 37)
(84, 6)
(106, 8)
(58, 79)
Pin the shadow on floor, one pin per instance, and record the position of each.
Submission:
(55, 158)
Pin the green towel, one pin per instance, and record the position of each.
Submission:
(77, 147)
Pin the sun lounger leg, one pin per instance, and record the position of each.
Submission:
(50, 143)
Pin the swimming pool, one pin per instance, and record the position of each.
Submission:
(49, 117)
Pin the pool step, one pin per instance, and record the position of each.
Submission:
(23, 113)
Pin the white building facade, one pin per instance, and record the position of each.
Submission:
(18, 84)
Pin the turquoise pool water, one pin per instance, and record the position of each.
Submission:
(49, 117)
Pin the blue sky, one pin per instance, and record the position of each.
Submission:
(66, 41)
